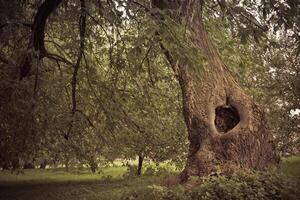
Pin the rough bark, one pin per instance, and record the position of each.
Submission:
(227, 129)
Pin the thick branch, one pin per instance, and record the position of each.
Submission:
(39, 25)
(38, 35)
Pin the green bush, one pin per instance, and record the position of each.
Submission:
(242, 185)
(131, 172)
(250, 185)
(162, 171)
(155, 192)
(150, 171)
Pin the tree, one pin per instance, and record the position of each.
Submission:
(276, 87)
(268, 71)
(227, 129)
(155, 124)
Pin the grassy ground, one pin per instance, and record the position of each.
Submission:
(49, 176)
(56, 184)
(83, 189)
(291, 166)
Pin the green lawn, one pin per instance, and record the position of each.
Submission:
(291, 166)
(84, 189)
(57, 184)
(48, 176)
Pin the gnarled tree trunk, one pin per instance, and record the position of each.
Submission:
(227, 129)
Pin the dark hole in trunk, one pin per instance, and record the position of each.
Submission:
(227, 117)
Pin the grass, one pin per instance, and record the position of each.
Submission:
(89, 190)
(54, 184)
(291, 166)
(48, 176)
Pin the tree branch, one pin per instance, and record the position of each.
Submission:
(38, 34)
(39, 25)
(82, 27)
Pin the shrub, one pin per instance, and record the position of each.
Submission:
(242, 185)
(162, 171)
(131, 172)
(154, 192)
(150, 171)
(248, 185)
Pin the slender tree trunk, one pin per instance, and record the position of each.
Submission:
(28, 165)
(67, 164)
(43, 164)
(15, 164)
(140, 164)
(227, 129)
(93, 165)
(5, 166)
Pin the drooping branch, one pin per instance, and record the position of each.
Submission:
(82, 27)
(126, 118)
(59, 58)
(86, 117)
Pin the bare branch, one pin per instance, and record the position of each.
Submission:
(58, 58)
(82, 27)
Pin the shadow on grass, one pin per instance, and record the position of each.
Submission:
(46, 182)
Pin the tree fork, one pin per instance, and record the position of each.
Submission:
(38, 34)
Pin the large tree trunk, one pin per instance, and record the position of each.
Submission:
(227, 129)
